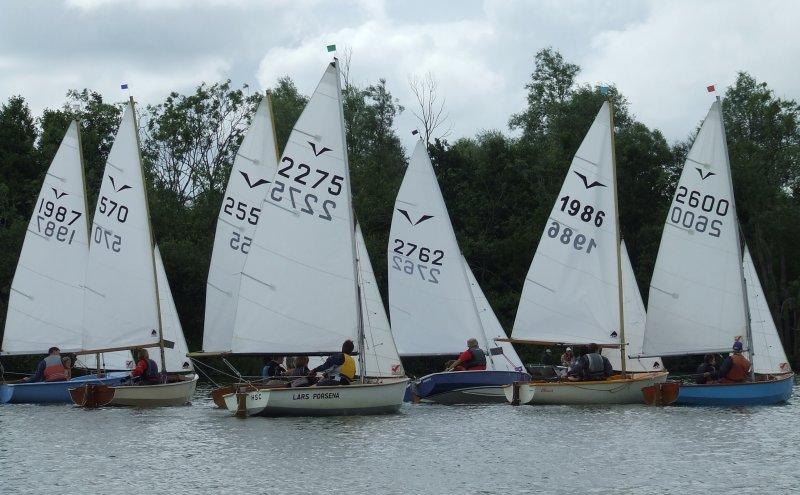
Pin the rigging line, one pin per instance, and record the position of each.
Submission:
(207, 376)
(233, 368)
(221, 372)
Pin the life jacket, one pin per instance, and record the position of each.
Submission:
(478, 359)
(346, 369)
(151, 373)
(595, 367)
(740, 367)
(54, 370)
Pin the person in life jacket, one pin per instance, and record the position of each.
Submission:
(736, 367)
(592, 366)
(473, 359)
(339, 369)
(146, 370)
(49, 369)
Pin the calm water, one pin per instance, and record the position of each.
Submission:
(425, 449)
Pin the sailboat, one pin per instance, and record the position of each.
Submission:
(300, 292)
(123, 303)
(573, 293)
(635, 318)
(704, 293)
(46, 302)
(435, 302)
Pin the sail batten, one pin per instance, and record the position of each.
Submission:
(571, 291)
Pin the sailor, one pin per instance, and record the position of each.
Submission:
(567, 357)
(473, 359)
(706, 369)
(338, 369)
(49, 369)
(146, 370)
(735, 368)
(592, 366)
(272, 367)
(547, 358)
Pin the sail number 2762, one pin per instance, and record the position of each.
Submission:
(411, 258)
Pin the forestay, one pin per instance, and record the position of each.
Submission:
(570, 294)
(696, 304)
(635, 318)
(252, 172)
(175, 358)
(298, 287)
(430, 300)
(380, 353)
(501, 356)
(120, 302)
(45, 306)
(768, 354)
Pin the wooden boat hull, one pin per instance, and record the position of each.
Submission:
(383, 397)
(162, 395)
(52, 392)
(463, 387)
(615, 390)
(759, 393)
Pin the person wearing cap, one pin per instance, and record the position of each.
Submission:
(736, 367)
(592, 366)
(473, 359)
(547, 358)
(567, 357)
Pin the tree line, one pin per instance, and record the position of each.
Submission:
(499, 187)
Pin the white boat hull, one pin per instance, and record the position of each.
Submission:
(160, 395)
(613, 391)
(383, 397)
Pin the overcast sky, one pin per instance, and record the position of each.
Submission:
(661, 55)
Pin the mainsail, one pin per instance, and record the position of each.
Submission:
(298, 285)
(696, 303)
(121, 305)
(45, 306)
(768, 353)
(571, 292)
(501, 355)
(635, 318)
(380, 353)
(175, 357)
(430, 299)
(252, 173)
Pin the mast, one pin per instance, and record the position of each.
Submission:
(357, 285)
(737, 233)
(475, 307)
(622, 344)
(152, 241)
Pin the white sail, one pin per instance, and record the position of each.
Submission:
(175, 358)
(430, 300)
(380, 353)
(696, 304)
(252, 173)
(570, 294)
(635, 318)
(298, 287)
(501, 356)
(45, 305)
(112, 361)
(768, 354)
(120, 304)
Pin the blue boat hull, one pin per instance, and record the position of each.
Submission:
(52, 392)
(463, 387)
(738, 394)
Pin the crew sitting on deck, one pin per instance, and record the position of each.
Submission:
(592, 366)
(338, 369)
(547, 358)
(706, 370)
(300, 367)
(567, 357)
(67, 363)
(146, 370)
(272, 367)
(735, 368)
(49, 369)
(473, 359)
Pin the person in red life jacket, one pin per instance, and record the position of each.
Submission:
(735, 368)
(146, 370)
(49, 369)
(473, 359)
